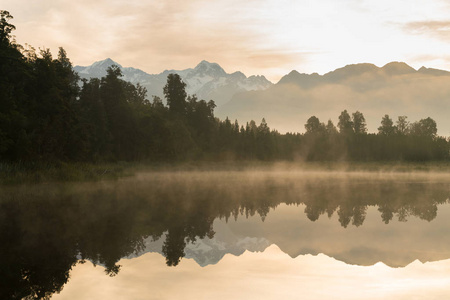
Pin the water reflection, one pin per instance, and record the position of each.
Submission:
(46, 230)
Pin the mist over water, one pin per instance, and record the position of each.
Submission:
(356, 217)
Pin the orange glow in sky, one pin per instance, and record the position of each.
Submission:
(258, 37)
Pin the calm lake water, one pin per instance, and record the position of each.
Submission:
(261, 234)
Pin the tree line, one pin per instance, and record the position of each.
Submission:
(47, 115)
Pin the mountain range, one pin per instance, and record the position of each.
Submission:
(207, 80)
(209, 251)
(395, 89)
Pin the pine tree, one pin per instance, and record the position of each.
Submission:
(175, 94)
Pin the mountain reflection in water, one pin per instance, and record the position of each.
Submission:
(45, 230)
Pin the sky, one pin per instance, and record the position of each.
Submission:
(257, 37)
(268, 275)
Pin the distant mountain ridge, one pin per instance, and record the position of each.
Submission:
(209, 251)
(370, 72)
(395, 89)
(207, 80)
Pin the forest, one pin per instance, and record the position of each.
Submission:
(48, 114)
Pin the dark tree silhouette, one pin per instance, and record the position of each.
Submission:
(175, 94)
(402, 125)
(425, 127)
(387, 126)
(313, 126)
(359, 123)
(345, 123)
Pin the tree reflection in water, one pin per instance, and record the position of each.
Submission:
(45, 230)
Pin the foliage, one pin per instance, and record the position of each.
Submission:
(345, 123)
(387, 126)
(359, 123)
(47, 116)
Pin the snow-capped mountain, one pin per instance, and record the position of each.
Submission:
(207, 80)
(208, 251)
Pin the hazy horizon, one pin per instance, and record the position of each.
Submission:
(396, 89)
(156, 72)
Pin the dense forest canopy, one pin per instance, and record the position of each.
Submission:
(47, 115)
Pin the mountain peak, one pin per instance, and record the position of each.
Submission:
(211, 69)
(434, 72)
(97, 69)
(351, 71)
(203, 62)
(108, 60)
(397, 68)
(300, 79)
(238, 75)
(105, 63)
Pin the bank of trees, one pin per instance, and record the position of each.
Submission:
(47, 115)
(417, 141)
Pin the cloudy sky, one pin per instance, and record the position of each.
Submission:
(267, 37)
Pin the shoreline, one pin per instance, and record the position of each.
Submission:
(26, 173)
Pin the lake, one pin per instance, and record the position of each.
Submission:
(247, 234)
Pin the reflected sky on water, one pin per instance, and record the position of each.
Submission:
(162, 235)
(268, 275)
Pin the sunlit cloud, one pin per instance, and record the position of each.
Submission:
(438, 29)
(257, 37)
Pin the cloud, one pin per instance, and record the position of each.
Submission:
(266, 37)
(152, 35)
(436, 29)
